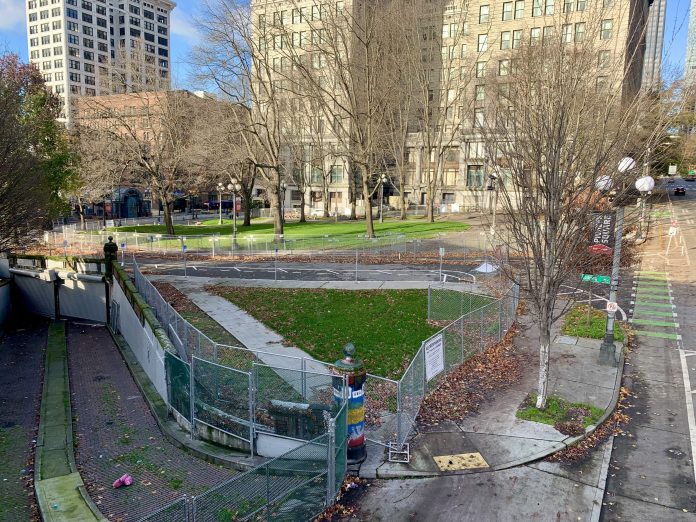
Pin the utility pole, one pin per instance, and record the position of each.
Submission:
(607, 349)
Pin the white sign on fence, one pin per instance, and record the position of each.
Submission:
(434, 356)
(672, 170)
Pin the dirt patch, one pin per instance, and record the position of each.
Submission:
(176, 298)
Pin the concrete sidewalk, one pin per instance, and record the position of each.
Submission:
(495, 434)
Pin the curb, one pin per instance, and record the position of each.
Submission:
(60, 484)
(169, 428)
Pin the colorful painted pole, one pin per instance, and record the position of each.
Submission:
(355, 381)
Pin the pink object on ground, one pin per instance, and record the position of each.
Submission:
(125, 480)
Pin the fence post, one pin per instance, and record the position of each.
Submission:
(192, 398)
(398, 411)
(462, 336)
(252, 402)
(429, 318)
(304, 378)
(331, 463)
(481, 329)
(500, 319)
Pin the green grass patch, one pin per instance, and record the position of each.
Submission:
(559, 410)
(210, 327)
(575, 323)
(386, 326)
(418, 227)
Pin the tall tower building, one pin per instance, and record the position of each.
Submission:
(654, 38)
(98, 47)
(690, 63)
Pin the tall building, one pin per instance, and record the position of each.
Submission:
(98, 47)
(654, 38)
(690, 63)
(467, 46)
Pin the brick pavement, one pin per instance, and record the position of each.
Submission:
(115, 433)
(21, 362)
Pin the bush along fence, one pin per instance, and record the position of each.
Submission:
(473, 322)
(298, 417)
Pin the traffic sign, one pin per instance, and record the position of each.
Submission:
(673, 231)
(612, 306)
(442, 251)
(592, 278)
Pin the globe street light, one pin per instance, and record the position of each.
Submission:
(494, 187)
(235, 187)
(644, 184)
(382, 180)
(607, 350)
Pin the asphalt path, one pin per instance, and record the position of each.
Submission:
(313, 271)
(651, 475)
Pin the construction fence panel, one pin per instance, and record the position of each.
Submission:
(381, 407)
(178, 384)
(222, 398)
(177, 511)
(412, 389)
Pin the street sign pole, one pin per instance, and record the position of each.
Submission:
(607, 350)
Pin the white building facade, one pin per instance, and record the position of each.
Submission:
(98, 47)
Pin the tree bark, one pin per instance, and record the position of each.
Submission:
(168, 221)
(303, 197)
(277, 214)
(325, 188)
(544, 354)
(369, 226)
(246, 205)
(402, 214)
(430, 204)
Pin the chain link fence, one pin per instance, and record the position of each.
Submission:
(469, 333)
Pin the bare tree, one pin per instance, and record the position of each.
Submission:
(557, 124)
(236, 57)
(156, 132)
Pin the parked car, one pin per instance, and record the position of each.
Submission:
(680, 190)
(670, 180)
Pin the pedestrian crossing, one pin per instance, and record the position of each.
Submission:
(653, 313)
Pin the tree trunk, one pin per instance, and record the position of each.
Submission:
(81, 214)
(246, 207)
(544, 354)
(277, 214)
(303, 197)
(402, 214)
(168, 221)
(325, 189)
(430, 206)
(369, 226)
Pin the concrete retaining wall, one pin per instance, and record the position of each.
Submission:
(5, 301)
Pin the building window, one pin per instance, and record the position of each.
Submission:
(71, 13)
(73, 26)
(45, 28)
(46, 53)
(536, 7)
(482, 43)
(608, 3)
(568, 6)
(580, 5)
(519, 9)
(34, 55)
(74, 64)
(534, 35)
(567, 33)
(548, 33)
(480, 69)
(507, 11)
(57, 51)
(57, 64)
(74, 77)
(550, 7)
(76, 89)
(602, 82)
(606, 29)
(580, 31)
(484, 14)
(336, 173)
(479, 118)
(474, 176)
(33, 17)
(603, 59)
(33, 42)
(505, 40)
(516, 38)
(503, 67)
(480, 92)
(88, 55)
(73, 39)
(57, 38)
(56, 25)
(89, 68)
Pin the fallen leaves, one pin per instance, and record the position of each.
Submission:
(464, 389)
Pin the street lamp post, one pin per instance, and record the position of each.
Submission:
(235, 187)
(607, 350)
(644, 184)
(382, 180)
(220, 186)
(494, 188)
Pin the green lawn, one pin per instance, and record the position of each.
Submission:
(386, 326)
(417, 227)
(575, 324)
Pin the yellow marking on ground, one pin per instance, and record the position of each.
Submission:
(460, 461)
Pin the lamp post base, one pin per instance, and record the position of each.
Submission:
(607, 353)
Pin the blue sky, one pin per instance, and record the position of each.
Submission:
(184, 36)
